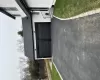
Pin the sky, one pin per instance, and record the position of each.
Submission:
(9, 54)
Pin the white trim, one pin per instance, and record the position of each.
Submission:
(57, 70)
(43, 58)
(80, 15)
(34, 40)
(34, 35)
(35, 54)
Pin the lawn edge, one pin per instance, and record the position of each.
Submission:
(80, 15)
(57, 71)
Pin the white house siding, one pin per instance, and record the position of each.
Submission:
(40, 3)
(41, 17)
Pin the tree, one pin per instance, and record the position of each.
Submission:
(35, 69)
(20, 33)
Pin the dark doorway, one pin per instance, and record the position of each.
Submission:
(43, 39)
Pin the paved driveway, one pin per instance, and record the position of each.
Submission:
(76, 47)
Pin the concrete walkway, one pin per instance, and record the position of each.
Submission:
(48, 70)
(76, 47)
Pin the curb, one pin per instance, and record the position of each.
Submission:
(58, 71)
(80, 15)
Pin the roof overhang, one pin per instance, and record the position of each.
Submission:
(23, 8)
(5, 12)
(13, 7)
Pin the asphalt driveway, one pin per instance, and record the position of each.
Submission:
(76, 47)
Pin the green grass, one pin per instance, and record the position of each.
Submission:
(69, 8)
(55, 75)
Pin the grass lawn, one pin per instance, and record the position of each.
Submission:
(55, 75)
(69, 8)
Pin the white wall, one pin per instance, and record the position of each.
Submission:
(40, 3)
(41, 17)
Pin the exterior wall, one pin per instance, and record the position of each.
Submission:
(41, 17)
(28, 38)
(40, 3)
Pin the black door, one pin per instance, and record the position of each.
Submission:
(43, 39)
